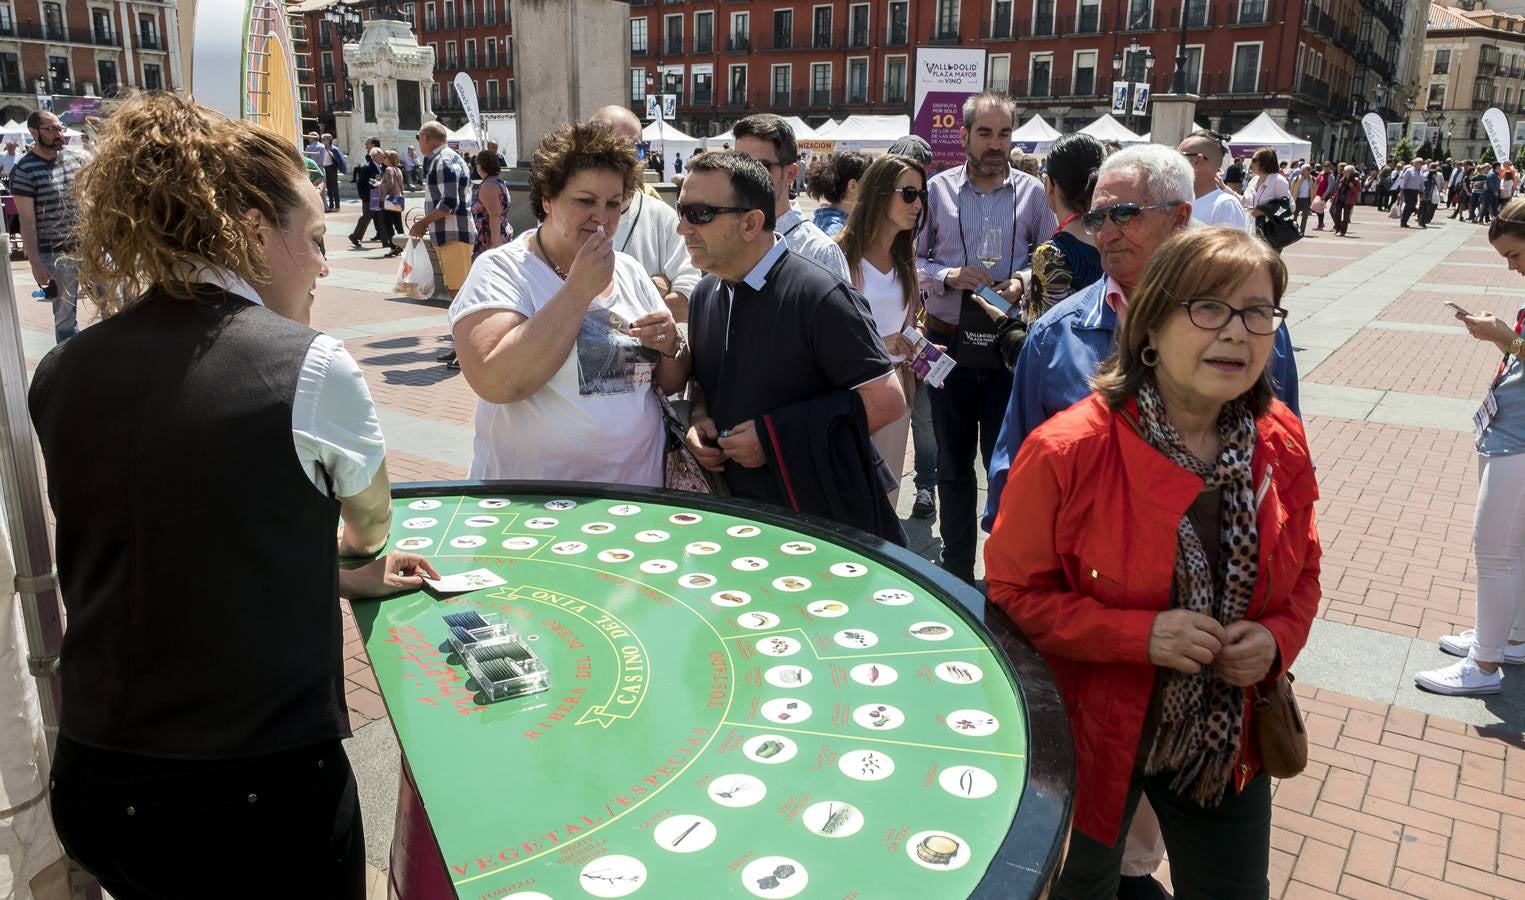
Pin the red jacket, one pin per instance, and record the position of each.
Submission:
(1082, 557)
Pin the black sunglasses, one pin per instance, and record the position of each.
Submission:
(1121, 214)
(911, 195)
(703, 214)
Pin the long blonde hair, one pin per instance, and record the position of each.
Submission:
(167, 193)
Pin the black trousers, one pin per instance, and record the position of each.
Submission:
(147, 828)
(368, 216)
(967, 412)
(1410, 204)
(1221, 852)
(331, 185)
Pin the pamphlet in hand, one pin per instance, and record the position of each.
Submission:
(929, 363)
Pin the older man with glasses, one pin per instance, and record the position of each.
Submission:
(1143, 195)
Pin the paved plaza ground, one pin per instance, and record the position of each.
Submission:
(1407, 794)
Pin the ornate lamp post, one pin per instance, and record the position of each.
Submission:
(1118, 72)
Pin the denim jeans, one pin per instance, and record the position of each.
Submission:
(65, 272)
(924, 438)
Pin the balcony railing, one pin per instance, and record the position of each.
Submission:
(638, 51)
(1198, 15)
(899, 35)
(11, 86)
(672, 47)
(471, 60)
(738, 43)
(149, 42)
(780, 40)
(1055, 87)
(328, 73)
(858, 37)
(68, 35)
(996, 29)
(1314, 88)
(704, 43)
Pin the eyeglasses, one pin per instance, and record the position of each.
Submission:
(50, 128)
(911, 195)
(703, 214)
(1121, 214)
(770, 164)
(1190, 155)
(1212, 315)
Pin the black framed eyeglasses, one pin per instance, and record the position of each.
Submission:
(1121, 214)
(1190, 154)
(703, 213)
(1209, 314)
(911, 195)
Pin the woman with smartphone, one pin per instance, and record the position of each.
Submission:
(1498, 529)
(879, 242)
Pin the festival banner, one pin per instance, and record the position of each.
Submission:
(944, 79)
(1376, 136)
(1140, 98)
(1119, 97)
(466, 90)
(1498, 132)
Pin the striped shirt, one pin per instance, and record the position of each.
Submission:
(47, 183)
(449, 185)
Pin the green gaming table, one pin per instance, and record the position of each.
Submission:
(743, 702)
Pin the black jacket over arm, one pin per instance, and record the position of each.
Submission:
(820, 454)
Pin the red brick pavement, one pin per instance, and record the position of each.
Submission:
(1454, 365)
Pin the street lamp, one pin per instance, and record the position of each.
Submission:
(652, 80)
(1179, 85)
(346, 20)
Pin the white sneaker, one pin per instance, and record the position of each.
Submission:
(1462, 645)
(1460, 678)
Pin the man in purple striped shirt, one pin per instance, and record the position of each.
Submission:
(983, 220)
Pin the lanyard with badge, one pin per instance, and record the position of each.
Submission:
(977, 333)
(1490, 408)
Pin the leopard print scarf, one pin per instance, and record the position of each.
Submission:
(1202, 717)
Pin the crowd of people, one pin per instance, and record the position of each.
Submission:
(1124, 377)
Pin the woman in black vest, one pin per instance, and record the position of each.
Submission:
(202, 444)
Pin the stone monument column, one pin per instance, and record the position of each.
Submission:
(390, 73)
(571, 57)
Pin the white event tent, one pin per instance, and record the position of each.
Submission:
(669, 140)
(826, 127)
(1034, 136)
(15, 130)
(870, 132)
(1107, 128)
(1148, 135)
(1263, 132)
(802, 132)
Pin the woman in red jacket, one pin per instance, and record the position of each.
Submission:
(1156, 543)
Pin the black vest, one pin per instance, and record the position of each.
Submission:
(198, 563)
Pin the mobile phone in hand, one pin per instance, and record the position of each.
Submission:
(1455, 307)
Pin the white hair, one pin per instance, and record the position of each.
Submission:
(1165, 173)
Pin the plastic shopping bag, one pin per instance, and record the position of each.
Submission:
(415, 274)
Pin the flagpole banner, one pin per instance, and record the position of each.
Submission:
(1140, 98)
(466, 90)
(1376, 136)
(1498, 132)
(1120, 97)
(944, 79)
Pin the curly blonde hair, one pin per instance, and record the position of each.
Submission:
(168, 191)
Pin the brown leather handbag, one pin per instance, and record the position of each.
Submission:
(1279, 729)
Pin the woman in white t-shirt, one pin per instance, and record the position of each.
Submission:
(562, 337)
(879, 241)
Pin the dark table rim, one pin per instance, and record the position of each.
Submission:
(1028, 861)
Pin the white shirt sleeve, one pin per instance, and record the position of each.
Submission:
(334, 423)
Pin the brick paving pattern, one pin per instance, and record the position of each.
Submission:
(1395, 802)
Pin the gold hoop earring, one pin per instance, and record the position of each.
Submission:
(1149, 357)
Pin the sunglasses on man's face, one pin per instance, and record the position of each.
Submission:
(911, 195)
(703, 213)
(1121, 214)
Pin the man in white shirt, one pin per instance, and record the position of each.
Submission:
(1214, 205)
(770, 140)
(9, 157)
(648, 228)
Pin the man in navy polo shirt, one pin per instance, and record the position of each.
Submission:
(768, 327)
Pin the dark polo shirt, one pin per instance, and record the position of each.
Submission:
(790, 331)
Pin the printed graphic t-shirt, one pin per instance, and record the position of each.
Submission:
(597, 418)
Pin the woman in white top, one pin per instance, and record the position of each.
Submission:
(879, 242)
(562, 337)
(1270, 185)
